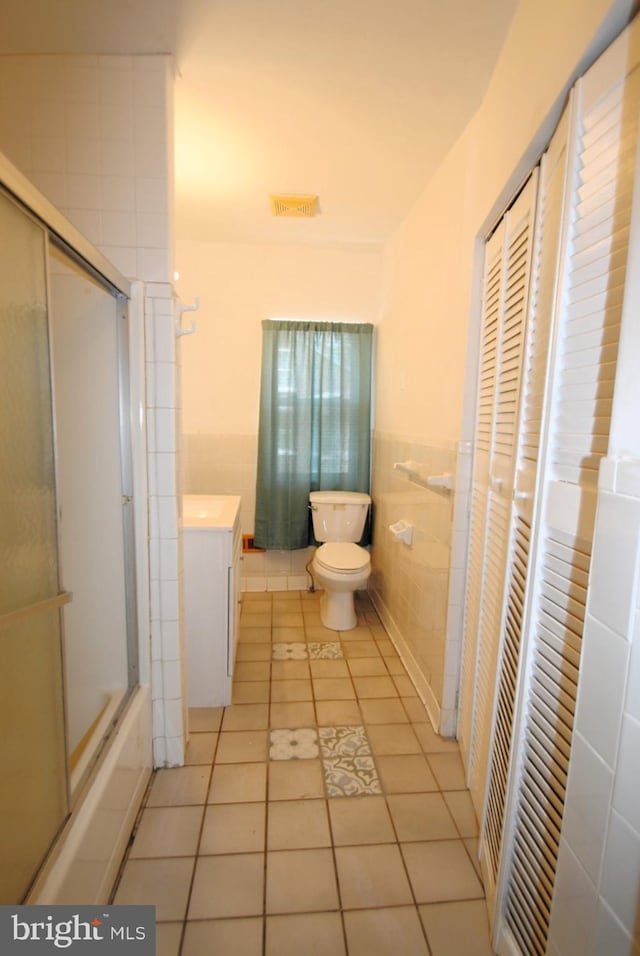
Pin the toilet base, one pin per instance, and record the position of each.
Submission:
(337, 611)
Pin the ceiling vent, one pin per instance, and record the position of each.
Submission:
(297, 207)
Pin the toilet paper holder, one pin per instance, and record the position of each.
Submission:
(402, 531)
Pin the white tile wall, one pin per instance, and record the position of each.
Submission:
(600, 847)
(415, 587)
(162, 375)
(94, 134)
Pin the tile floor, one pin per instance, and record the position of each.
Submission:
(318, 814)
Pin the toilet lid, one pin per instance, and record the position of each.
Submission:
(343, 556)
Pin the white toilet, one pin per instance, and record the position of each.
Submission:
(340, 566)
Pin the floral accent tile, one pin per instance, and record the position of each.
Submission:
(289, 652)
(300, 744)
(329, 651)
(344, 742)
(350, 776)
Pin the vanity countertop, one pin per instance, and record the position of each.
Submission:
(209, 511)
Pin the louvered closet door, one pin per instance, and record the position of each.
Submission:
(492, 304)
(588, 310)
(540, 308)
(508, 257)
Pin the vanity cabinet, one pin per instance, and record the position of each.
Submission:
(212, 551)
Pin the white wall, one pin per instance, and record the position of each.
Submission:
(239, 285)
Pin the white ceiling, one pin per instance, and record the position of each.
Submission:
(355, 100)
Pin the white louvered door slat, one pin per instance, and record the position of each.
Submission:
(491, 306)
(588, 303)
(542, 286)
(507, 318)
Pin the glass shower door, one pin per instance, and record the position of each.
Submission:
(33, 793)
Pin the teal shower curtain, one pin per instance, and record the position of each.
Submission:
(315, 422)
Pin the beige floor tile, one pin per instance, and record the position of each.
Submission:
(225, 886)
(367, 667)
(472, 845)
(168, 937)
(290, 670)
(327, 668)
(238, 782)
(381, 932)
(457, 929)
(295, 780)
(448, 771)
(333, 688)
(205, 719)
(179, 786)
(287, 597)
(431, 741)
(246, 717)
(242, 746)
(321, 932)
(167, 831)
(360, 820)
(257, 605)
(234, 828)
(338, 713)
(387, 649)
(254, 635)
(405, 773)
(224, 937)
(288, 619)
(301, 881)
(441, 870)
(292, 714)
(288, 635)
(385, 710)
(395, 666)
(461, 809)
(311, 616)
(298, 824)
(372, 876)
(250, 692)
(353, 649)
(416, 710)
(405, 686)
(290, 690)
(252, 670)
(375, 687)
(317, 632)
(421, 816)
(250, 619)
(162, 883)
(392, 739)
(200, 749)
(253, 652)
(360, 633)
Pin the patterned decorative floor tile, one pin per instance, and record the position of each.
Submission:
(289, 652)
(350, 776)
(349, 768)
(298, 744)
(329, 651)
(344, 742)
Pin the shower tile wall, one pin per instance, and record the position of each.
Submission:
(94, 134)
(226, 465)
(411, 586)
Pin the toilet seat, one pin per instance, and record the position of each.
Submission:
(342, 556)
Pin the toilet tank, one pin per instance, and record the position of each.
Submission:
(338, 515)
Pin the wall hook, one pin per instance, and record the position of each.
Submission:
(181, 310)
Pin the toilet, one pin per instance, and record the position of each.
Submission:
(340, 566)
